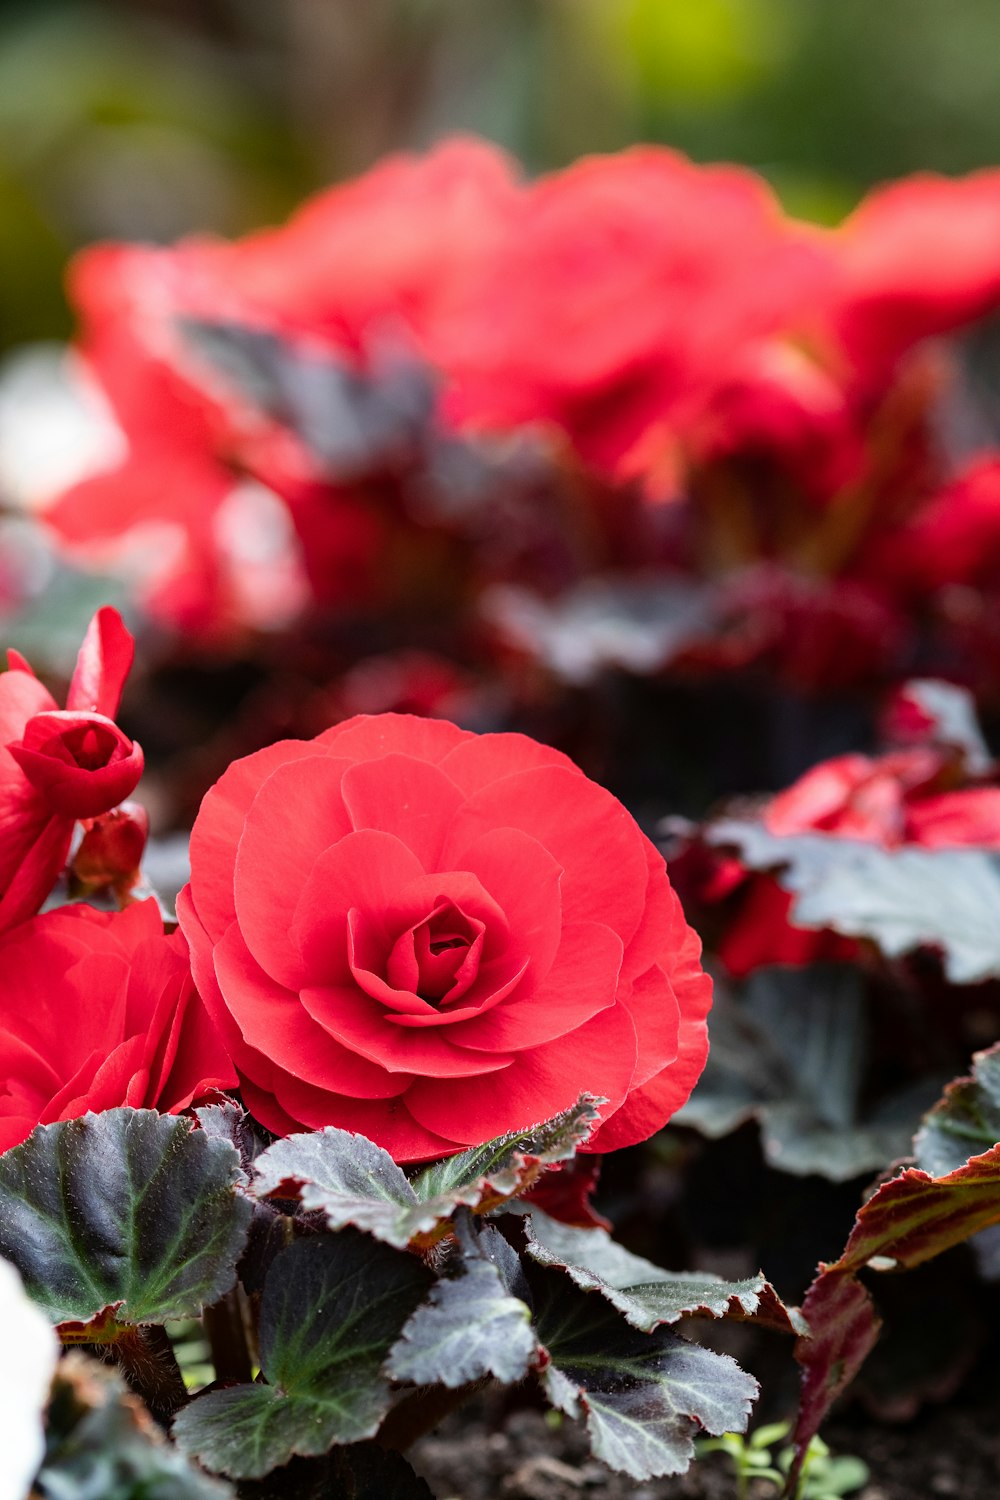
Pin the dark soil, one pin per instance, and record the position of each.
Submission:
(521, 1457)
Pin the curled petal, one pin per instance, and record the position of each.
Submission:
(82, 764)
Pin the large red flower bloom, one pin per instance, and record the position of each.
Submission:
(100, 1010)
(433, 937)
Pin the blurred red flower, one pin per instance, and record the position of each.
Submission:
(434, 937)
(903, 797)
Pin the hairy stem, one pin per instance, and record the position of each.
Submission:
(146, 1358)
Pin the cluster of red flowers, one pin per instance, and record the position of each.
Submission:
(932, 789)
(400, 928)
(636, 367)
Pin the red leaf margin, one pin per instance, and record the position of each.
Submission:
(907, 1220)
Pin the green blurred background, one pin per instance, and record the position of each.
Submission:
(150, 118)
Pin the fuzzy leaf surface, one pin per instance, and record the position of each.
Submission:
(332, 1308)
(645, 1294)
(469, 1328)
(645, 1396)
(486, 1175)
(791, 1052)
(228, 1122)
(354, 1182)
(900, 899)
(965, 1122)
(128, 1207)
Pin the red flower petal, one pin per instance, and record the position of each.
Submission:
(102, 665)
(582, 982)
(372, 736)
(483, 758)
(295, 1043)
(365, 871)
(216, 834)
(599, 1057)
(297, 813)
(406, 797)
(361, 1024)
(584, 828)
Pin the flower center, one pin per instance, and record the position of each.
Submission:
(438, 957)
(91, 746)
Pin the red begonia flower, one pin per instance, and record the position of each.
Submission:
(629, 289)
(100, 1010)
(433, 937)
(890, 800)
(363, 267)
(917, 258)
(60, 765)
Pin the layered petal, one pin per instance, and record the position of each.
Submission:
(435, 958)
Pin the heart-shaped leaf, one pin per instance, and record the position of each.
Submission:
(901, 899)
(127, 1207)
(332, 1308)
(471, 1325)
(791, 1052)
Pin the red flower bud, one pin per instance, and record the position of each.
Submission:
(82, 763)
(112, 848)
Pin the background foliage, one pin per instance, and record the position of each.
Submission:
(148, 118)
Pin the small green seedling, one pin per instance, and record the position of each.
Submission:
(824, 1476)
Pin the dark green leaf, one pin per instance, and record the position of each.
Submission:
(967, 1120)
(354, 1182)
(101, 1444)
(128, 1207)
(228, 1122)
(471, 1326)
(645, 1396)
(645, 1294)
(354, 422)
(792, 1053)
(332, 1308)
(485, 1175)
(349, 1179)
